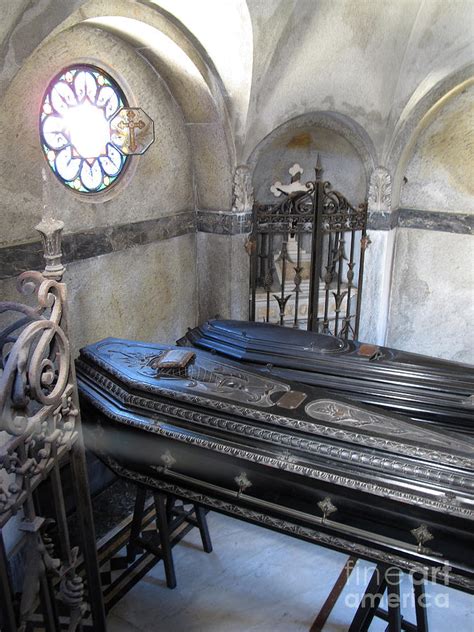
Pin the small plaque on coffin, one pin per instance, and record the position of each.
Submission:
(172, 359)
(291, 400)
(368, 351)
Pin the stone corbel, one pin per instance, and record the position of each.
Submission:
(380, 199)
(242, 190)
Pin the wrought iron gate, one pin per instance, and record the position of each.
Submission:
(308, 260)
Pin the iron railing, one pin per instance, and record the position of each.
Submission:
(307, 260)
(40, 430)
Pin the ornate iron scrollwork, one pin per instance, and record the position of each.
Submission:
(303, 239)
(39, 415)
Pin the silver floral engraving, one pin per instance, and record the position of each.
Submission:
(204, 375)
(350, 416)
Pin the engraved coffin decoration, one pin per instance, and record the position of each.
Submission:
(424, 389)
(325, 470)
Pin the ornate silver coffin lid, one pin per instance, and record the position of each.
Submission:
(123, 367)
(237, 338)
(436, 392)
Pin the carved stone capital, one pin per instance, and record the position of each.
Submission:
(50, 230)
(380, 191)
(242, 190)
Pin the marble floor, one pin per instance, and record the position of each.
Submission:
(259, 581)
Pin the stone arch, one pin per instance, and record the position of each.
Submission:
(177, 60)
(348, 135)
(416, 116)
(198, 91)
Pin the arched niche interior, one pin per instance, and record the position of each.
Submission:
(347, 158)
(346, 154)
(425, 104)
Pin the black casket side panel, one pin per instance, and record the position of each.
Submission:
(327, 471)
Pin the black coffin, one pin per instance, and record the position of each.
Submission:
(289, 457)
(425, 389)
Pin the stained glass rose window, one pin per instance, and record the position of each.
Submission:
(75, 128)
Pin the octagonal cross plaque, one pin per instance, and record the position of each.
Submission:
(132, 131)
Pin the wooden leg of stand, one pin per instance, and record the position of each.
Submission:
(393, 598)
(162, 524)
(170, 501)
(48, 606)
(369, 604)
(203, 528)
(87, 531)
(136, 528)
(7, 612)
(420, 603)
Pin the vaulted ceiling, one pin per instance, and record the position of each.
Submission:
(371, 62)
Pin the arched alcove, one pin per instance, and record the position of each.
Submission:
(150, 292)
(346, 151)
(346, 155)
(432, 93)
(432, 275)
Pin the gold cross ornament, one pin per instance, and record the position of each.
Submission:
(132, 131)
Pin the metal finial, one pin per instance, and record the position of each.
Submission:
(319, 168)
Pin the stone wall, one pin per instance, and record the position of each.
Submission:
(337, 92)
(105, 289)
(431, 302)
(132, 251)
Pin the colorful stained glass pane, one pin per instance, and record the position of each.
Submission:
(75, 128)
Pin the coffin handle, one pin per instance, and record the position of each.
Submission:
(242, 482)
(168, 460)
(327, 508)
(422, 535)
